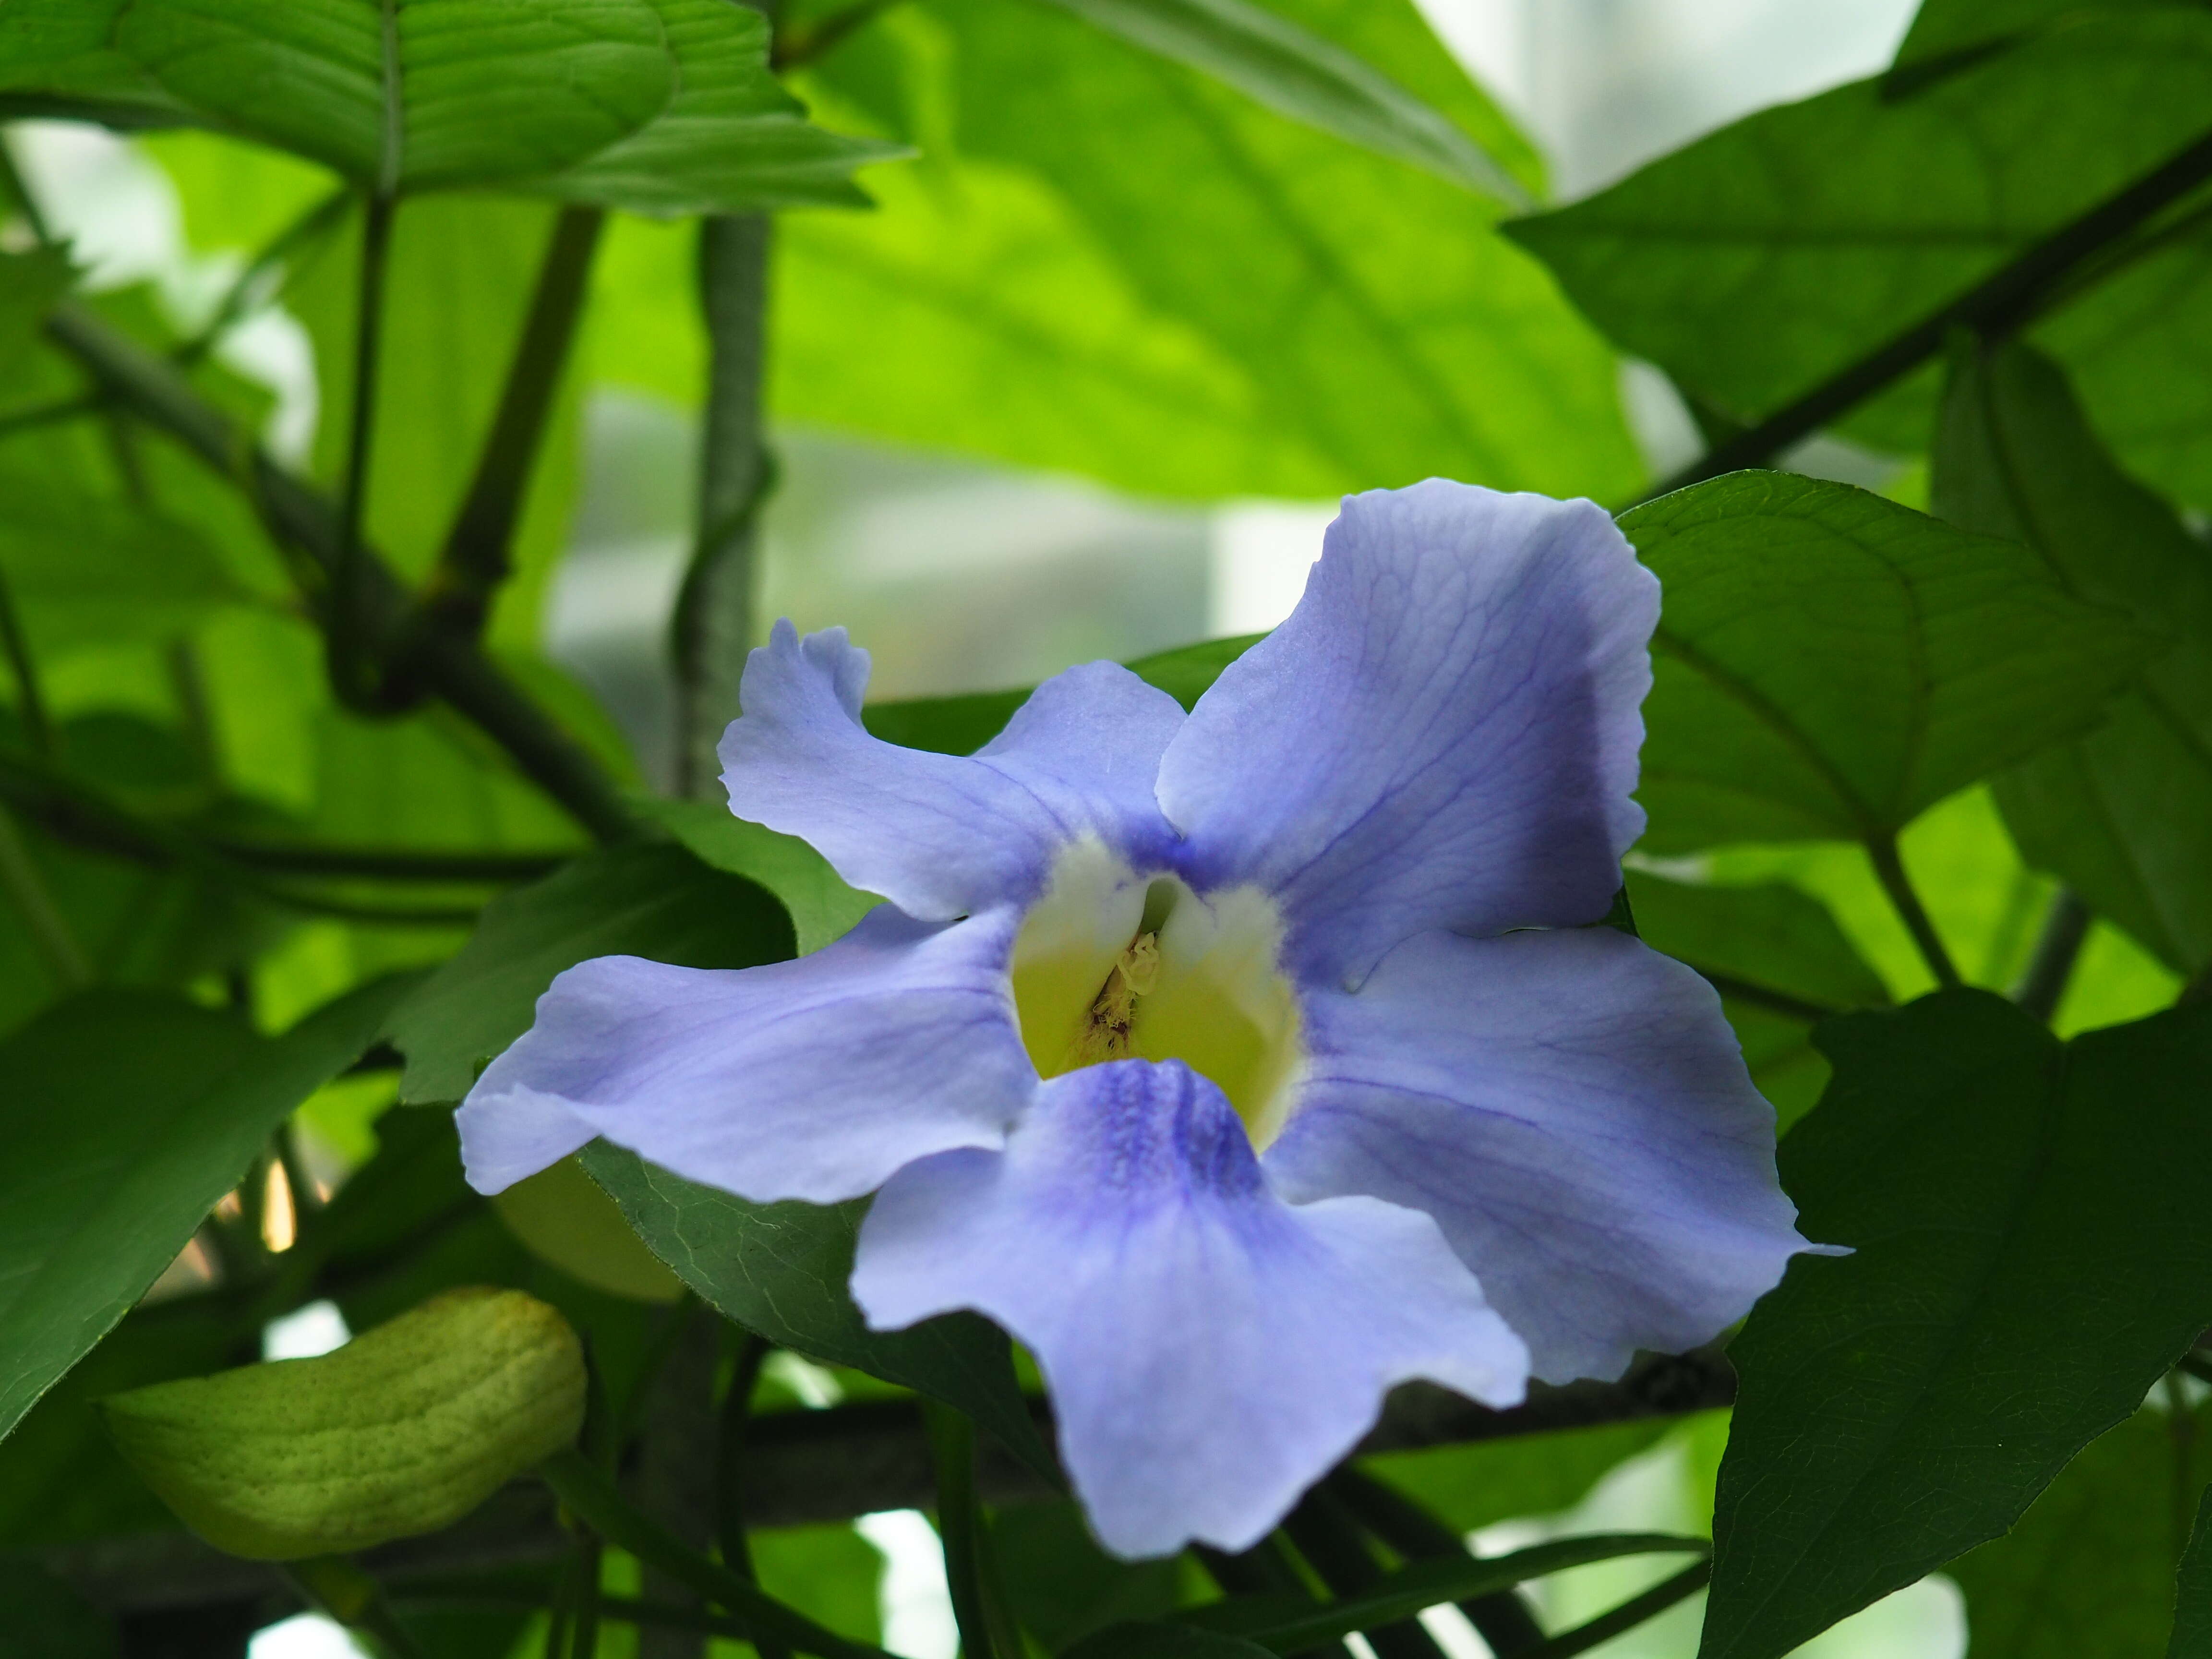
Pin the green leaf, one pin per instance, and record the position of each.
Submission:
(655, 902)
(567, 1218)
(130, 1115)
(1153, 1639)
(2192, 1601)
(1476, 1484)
(1187, 673)
(821, 908)
(415, 93)
(1756, 263)
(58, 57)
(1829, 663)
(1427, 1583)
(1946, 29)
(730, 141)
(829, 1573)
(2089, 1568)
(401, 1431)
(1299, 75)
(29, 284)
(781, 1269)
(1063, 1587)
(2025, 1269)
(2123, 814)
(1769, 937)
(85, 571)
(1030, 292)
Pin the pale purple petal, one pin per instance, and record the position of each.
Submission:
(1212, 1350)
(1572, 1107)
(813, 1079)
(1444, 734)
(943, 836)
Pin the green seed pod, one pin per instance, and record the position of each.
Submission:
(404, 1431)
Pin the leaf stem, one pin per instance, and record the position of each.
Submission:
(730, 1468)
(2058, 948)
(1889, 868)
(353, 654)
(1502, 1619)
(31, 702)
(34, 900)
(302, 519)
(356, 1601)
(262, 279)
(1998, 304)
(591, 1495)
(1629, 1614)
(806, 42)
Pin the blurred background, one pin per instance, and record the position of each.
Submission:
(959, 576)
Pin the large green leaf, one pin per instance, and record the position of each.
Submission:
(1296, 73)
(419, 93)
(2123, 814)
(2089, 1568)
(2031, 1253)
(1754, 263)
(781, 1269)
(130, 1115)
(822, 906)
(1828, 663)
(84, 570)
(1942, 29)
(730, 140)
(655, 902)
(58, 56)
(1485, 1481)
(1032, 292)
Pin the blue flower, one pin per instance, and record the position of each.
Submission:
(1241, 1065)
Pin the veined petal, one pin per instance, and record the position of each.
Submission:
(944, 835)
(1444, 734)
(1212, 1350)
(1574, 1111)
(813, 1079)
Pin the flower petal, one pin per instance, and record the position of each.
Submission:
(944, 835)
(814, 1079)
(1444, 734)
(1574, 1111)
(1212, 1350)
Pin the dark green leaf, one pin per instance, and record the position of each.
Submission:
(1153, 1640)
(1295, 73)
(781, 1269)
(821, 908)
(418, 93)
(655, 902)
(1829, 663)
(949, 725)
(1757, 262)
(58, 56)
(2192, 1601)
(1186, 672)
(2123, 814)
(731, 139)
(41, 1617)
(1944, 28)
(1771, 938)
(2033, 1252)
(1032, 293)
(1405, 1592)
(831, 1574)
(2089, 1568)
(130, 1115)
(1063, 1586)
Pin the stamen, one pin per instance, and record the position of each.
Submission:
(1106, 1027)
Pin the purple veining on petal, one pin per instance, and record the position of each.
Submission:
(1212, 1350)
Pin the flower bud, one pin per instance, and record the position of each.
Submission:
(402, 1430)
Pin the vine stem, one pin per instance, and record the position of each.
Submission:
(2058, 948)
(592, 1497)
(1999, 303)
(1890, 869)
(302, 519)
(986, 1630)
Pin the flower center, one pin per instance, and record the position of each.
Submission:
(1108, 965)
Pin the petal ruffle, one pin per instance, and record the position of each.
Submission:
(1212, 1350)
(814, 1079)
(1573, 1110)
(944, 835)
(1444, 734)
